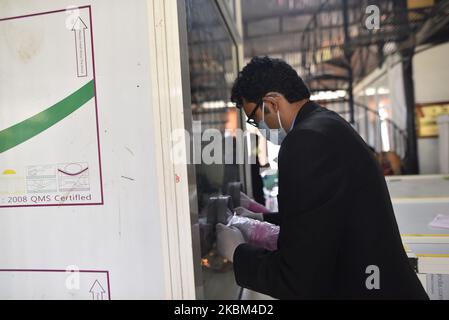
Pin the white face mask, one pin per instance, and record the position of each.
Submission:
(276, 136)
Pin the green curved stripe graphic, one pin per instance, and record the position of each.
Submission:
(29, 128)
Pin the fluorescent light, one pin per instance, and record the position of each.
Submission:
(328, 95)
(213, 105)
(383, 91)
(370, 92)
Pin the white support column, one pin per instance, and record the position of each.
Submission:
(443, 127)
(172, 178)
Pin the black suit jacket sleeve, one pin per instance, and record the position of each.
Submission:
(272, 217)
(310, 175)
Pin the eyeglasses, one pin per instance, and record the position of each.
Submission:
(251, 119)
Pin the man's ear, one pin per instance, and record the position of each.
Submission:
(272, 104)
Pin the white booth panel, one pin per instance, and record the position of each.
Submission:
(417, 187)
(413, 217)
(81, 193)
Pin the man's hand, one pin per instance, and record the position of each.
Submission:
(228, 239)
(249, 214)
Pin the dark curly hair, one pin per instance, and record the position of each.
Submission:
(263, 75)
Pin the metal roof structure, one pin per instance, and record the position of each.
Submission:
(333, 44)
(328, 41)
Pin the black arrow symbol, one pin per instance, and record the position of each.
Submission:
(79, 29)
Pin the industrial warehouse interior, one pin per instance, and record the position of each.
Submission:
(135, 162)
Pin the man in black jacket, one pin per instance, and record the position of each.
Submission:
(338, 235)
